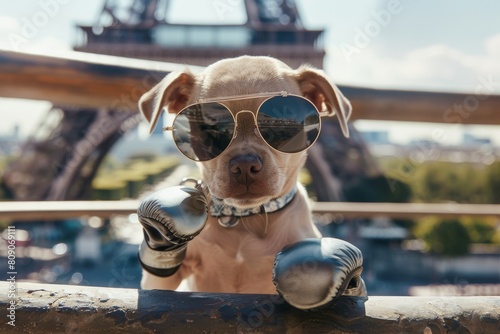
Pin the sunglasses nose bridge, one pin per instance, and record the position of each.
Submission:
(244, 121)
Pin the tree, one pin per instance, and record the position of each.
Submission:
(378, 189)
(445, 181)
(446, 237)
(481, 230)
(493, 182)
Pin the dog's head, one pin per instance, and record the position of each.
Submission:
(249, 172)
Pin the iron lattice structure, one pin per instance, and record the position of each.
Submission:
(141, 29)
(61, 159)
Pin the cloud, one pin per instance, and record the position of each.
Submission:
(434, 67)
(493, 46)
(26, 114)
(8, 25)
(48, 43)
(34, 31)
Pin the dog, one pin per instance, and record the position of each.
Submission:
(234, 254)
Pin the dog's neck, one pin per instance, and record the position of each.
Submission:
(228, 216)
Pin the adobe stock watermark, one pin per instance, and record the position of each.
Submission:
(459, 112)
(11, 274)
(455, 114)
(31, 25)
(121, 272)
(363, 35)
(224, 7)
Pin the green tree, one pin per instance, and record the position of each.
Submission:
(493, 182)
(378, 189)
(481, 230)
(445, 181)
(446, 237)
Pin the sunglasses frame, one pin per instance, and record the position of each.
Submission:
(266, 95)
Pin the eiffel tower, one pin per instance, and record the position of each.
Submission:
(141, 29)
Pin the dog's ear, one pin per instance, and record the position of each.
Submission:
(316, 87)
(172, 92)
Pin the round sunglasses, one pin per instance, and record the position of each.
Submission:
(287, 123)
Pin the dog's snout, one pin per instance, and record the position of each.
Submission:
(245, 165)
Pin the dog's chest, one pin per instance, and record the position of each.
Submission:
(232, 260)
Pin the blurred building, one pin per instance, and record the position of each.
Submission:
(375, 137)
(10, 142)
(139, 143)
(472, 140)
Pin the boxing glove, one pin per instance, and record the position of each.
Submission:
(314, 272)
(170, 218)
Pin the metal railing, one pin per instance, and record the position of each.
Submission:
(48, 210)
(43, 308)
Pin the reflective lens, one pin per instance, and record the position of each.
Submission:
(289, 124)
(203, 131)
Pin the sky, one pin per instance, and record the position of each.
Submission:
(445, 45)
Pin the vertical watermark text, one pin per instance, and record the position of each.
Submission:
(11, 274)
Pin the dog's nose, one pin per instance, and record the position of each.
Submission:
(245, 165)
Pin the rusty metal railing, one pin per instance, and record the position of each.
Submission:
(39, 308)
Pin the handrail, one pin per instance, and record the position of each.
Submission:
(405, 210)
(100, 81)
(80, 79)
(43, 308)
(48, 210)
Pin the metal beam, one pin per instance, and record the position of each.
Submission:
(54, 210)
(48, 210)
(80, 79)
(405, 210)
(422, 106)
(90, 80)
(41, 308)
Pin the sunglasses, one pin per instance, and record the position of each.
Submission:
(287, 123)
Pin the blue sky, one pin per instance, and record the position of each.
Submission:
(445, 45)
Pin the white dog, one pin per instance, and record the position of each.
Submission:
(248, 122)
